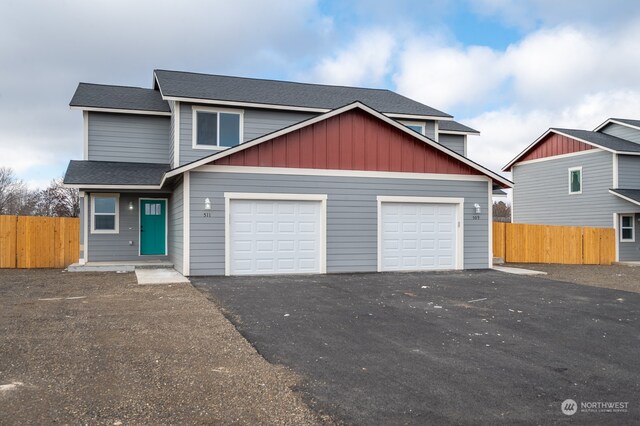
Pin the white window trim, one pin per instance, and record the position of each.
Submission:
(459, 202)
(166, 225)
(228, 196)
(194, 126)
(571, 170)
(633, 228)
(416, 123)
(93, 214)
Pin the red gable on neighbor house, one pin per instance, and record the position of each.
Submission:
(353, 140)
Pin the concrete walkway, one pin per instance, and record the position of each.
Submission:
(518, 271)
(160, 276)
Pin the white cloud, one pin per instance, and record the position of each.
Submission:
(366, 61)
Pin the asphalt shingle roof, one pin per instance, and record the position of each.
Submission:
(454, 126)
(285, 93)
(118, 97)
(602, 139)
(114, 173)
(633, 194)
(635, 123)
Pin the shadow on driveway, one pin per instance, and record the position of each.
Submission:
(464, 347)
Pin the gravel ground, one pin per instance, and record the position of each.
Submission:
(97, 348)
(619, 277)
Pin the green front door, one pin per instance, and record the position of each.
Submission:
(153, 227)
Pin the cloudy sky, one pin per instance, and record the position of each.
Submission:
(510, 69)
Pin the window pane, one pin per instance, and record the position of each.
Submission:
(626, 222)
(229, 129)
(416, 128)
(207, 128)
(575, 181)
(105, 204)
(105, 222)
(627, 233)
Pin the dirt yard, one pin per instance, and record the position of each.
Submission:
(619, 277)
(97, 348)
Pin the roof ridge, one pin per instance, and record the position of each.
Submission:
(115, 85)
(283, 81)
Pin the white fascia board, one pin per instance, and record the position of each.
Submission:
(631, 200)
(614, 121)
(141, 187)
(328, 115)
(122, 111)
(454, 132)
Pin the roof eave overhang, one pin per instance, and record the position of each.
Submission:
(505, 183)
(457, 132)
(111, 187)
(631, 200)
(614, 121)
(120, 110)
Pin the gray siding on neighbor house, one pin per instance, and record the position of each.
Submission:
(629, 171)
(116, 247)
(176, 226)
(430, 129)
(351, 215)
(257, 122)
(129, 137)
(454, 142)
(541, 192)
(630, 251)
(622, 132)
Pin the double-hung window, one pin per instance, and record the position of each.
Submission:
(216, 128)
(104, 213)
(575, 180)
(627, 228)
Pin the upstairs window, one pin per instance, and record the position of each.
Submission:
(416, 126)
(215, 129)
(627, 231)
(104, 219)
(575, 180)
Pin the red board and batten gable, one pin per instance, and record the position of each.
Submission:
(554, 144)
(352, 140)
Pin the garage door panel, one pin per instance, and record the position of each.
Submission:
(274, 236)
(417, 236)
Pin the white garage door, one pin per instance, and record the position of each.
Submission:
(274, 237)
(418, 236)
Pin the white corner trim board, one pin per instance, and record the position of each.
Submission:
(459, 226)
(230, 196)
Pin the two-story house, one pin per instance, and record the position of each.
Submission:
(583, 178)
(225, 175)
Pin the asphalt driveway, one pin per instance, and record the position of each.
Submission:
(427, 348)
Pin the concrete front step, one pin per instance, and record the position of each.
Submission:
(124, 266)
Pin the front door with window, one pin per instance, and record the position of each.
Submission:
(153, 227)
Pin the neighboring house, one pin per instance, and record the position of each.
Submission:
(226, 175)
(583, 178)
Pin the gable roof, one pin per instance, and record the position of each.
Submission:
(355, 105)
(623, 121)
(107, 97)
(596, 139)
(86, 174)
(273, 93)
(631, 195)
(455, 127)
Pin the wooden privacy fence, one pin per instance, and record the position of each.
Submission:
(521, 243)
(39, 242)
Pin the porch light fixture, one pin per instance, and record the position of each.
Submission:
(477, 206)
(130, 205)
(207, 204)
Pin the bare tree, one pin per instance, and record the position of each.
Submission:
(501, 212)
(58, 200)
(12, 191)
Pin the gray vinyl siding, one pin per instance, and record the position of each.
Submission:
(116, 247)
(351, 215)
(629, 171)
(454, 142)
(430, 129)
(257, 122)
(128, 137)
(81, 227)
(176, 227)
(622, 132)
(172, 129)
(630, 251)
(541, 192)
